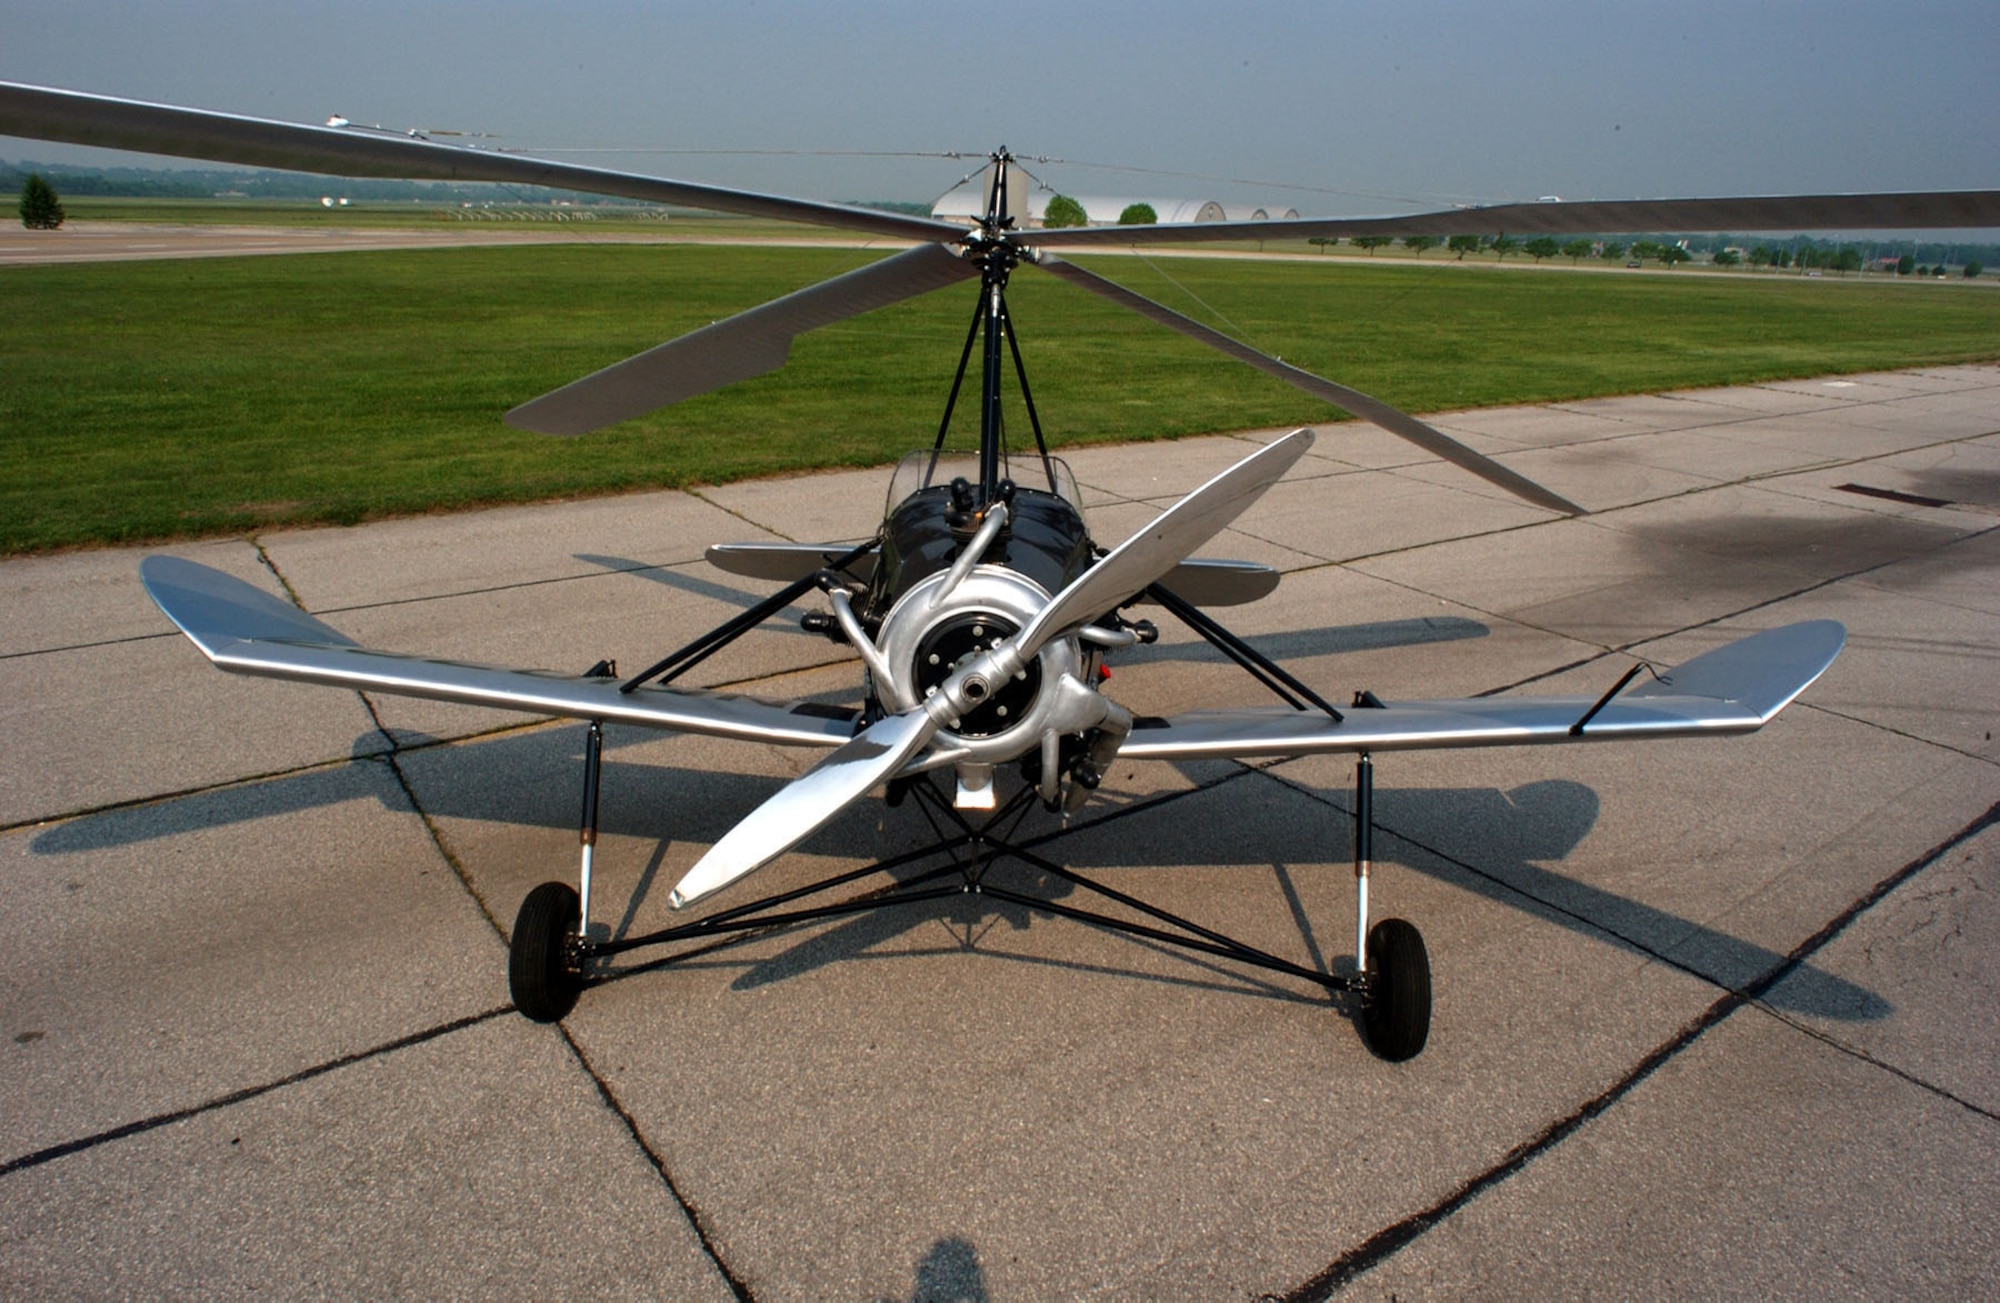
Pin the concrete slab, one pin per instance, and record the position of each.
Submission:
(71, 599)
(1932, 952)
(126, 720)
(1964, 573)
(973, 1097)
(506, 547)
(163, 955)
(1532, 427)
(476, 1162)
(1585, 581)
(825, 508)
(1115, 1133)
(1759, 1163)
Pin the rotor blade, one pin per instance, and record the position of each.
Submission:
(748, 344)
(1165, 543)
(42, 113)
(807, 803)
(1788, 213)
(1435, 442)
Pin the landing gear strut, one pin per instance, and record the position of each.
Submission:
(1396, 969)
(545, 958)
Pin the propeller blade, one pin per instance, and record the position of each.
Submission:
(1435, 442)
(1169, 540)
(752, 343)
(1788, 213)
(807, 803)
(811, 800)
(41, 113)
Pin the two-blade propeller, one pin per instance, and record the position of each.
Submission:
(810, 801)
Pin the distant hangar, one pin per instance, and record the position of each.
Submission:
(967, 203)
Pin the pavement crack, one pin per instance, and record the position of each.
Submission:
(1392, 1239)
(456, 865)
(1856, 1052)
(158, 1120)
(694, 1215)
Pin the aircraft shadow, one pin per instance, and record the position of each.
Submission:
(529, 779)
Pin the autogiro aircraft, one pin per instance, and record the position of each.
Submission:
(982, 610)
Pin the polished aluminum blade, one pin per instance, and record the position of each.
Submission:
(1373, 410)
(1917, 210)
(42, 113)
(807, 803)
(1157, 548)
(752, 343)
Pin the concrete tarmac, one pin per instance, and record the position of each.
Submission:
(1713, 1017)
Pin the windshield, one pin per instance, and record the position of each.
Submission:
(921, 470)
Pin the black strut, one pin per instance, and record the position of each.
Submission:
(722, 635)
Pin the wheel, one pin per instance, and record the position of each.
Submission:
(540, 975)
(1396, 1015)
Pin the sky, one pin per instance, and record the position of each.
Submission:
(1330, 107)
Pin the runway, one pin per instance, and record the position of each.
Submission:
(1713, 1017)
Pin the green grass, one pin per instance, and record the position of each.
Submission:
(151, 400)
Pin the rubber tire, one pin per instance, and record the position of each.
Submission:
(539, 976)
(1396, 1019)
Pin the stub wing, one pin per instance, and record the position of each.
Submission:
(247, 631)
(1733, 689)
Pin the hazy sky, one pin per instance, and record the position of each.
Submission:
(1370, 108)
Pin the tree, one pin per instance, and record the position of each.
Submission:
(1371, 242)
(1672, 255)
(40, 209)
(1416, 244)
(1324, 242)
(1644, 250)
(1064, 211)
(1504, 245)
(1972, 270)
(1848, 258)
(1542, 246)
(1138, 215)
(1727, 257)
(1761, 256)
(1613, 250)
(1462, 245)
(1905, 265)
(1575, 251)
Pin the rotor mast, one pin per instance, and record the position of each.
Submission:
(997, 257)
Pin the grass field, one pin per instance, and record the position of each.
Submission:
(143, 401)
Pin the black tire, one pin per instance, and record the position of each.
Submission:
(1396, 1016)
(540, 975)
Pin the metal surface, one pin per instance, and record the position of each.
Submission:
(1782, 213)
(807, 803)
(1157, 548)
(749, 344)
(1368, 409)
(1364, 853)
(43, 113)
(247, 631)
(1733, 689)
(593, 773)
